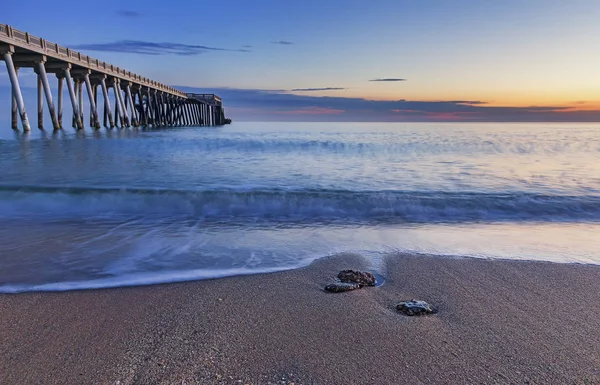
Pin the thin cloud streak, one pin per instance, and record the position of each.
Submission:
(282, 42)
(317, 89)
(151, 48)
(388, 80)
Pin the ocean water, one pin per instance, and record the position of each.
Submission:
(129, 207)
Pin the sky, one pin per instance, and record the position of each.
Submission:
(347, 60)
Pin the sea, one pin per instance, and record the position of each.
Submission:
(123, 207)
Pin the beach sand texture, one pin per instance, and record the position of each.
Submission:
(499, 322)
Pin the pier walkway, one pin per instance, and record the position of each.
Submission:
(138, 101)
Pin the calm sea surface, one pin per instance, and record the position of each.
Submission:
(127, 207)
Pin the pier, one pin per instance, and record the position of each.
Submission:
(138, 101)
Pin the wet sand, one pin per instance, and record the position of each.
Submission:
(498, 322)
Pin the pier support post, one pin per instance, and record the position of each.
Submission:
(40, 103)
(16, 88)
(180, 112)
(160, 109)
(43, 76)
(175, 108)
(165, 106)
(168, 110)
(95, 96)
(149, 108)
(146, 106)
(76, 114)
(107, 111)
(134, 118)
(119, 106)
(80, 100)
(173, 104)
(60, 100)
(193, 115)
(186, 113)
(157, 110)
(122, 103)
(14, 120)
(118, 114)
(76, 88)
(93, 108)
(137, 95)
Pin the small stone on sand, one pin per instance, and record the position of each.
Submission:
(363, 278)
(414, 307)
(339, 287)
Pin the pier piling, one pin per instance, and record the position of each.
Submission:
(139, 101)
(16, 88)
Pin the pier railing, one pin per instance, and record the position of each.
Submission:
(42, 46)
(138, 101)
(210, 98)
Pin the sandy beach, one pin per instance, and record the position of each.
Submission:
(498, 322)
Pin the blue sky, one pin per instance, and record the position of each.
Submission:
(458, 60)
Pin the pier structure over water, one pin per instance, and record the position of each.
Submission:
(138, 101)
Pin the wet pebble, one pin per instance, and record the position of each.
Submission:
(415, 307)
(363, 278)
(339, 287)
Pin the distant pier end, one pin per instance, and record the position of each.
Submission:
(138, 101)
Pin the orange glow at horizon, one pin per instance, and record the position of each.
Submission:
(576, 102)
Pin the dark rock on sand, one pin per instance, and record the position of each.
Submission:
(339, 287)
(363, 278)
(414, 307)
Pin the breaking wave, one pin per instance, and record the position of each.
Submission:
(274, 205)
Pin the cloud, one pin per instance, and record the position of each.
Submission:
(310, 111)
(128, 13)
(470, 102)
(317, 89)
(281, 105)
(151, 48)
(388, 80)
(282, 42)
(246, 46)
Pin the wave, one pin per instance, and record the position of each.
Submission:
(378, 144)
(274, 205)
(138, 279)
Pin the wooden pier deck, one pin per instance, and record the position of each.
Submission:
(138, 101)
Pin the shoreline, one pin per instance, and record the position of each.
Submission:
(499, 321)
(140, 280)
